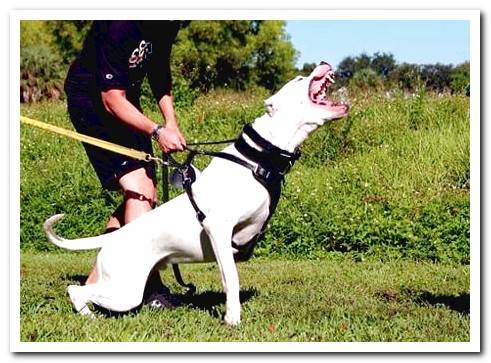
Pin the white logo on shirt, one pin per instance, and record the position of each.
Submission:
(139, 54)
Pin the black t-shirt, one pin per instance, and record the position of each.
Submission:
(118, 55)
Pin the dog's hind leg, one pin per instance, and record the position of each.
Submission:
(80, 299)
(113, 298)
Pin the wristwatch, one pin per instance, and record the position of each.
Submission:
(156, 132)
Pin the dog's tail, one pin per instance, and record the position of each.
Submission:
(88, 243)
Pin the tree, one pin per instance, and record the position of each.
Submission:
(383, 63)
(234, 53)
(437, 77)
(273, 55)
(363, 61)
(460, 77)
(353, 65)
(406, 76)
(69, 36)
(366, 79)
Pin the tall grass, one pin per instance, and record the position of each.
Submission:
(390, 180)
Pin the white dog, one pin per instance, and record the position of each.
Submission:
(236, 206)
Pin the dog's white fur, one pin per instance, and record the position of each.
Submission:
(235, 204)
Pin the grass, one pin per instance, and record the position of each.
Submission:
(393, 176)
(333, 300)
(370, 241)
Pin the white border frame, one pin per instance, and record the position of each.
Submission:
(473, 16)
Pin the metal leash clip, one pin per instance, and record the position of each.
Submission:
(150, 158)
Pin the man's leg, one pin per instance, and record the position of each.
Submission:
(140, 196)
(116, 221)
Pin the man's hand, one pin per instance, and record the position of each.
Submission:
(170, 139)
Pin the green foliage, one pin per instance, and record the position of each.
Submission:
(308, 68)
(437, 77)
(416, 110)
(69, 36)
(460, 77)
(274, 56)
(35, 33)
(381, 64)
(366, 80)
(41, 75)
(407, 77)
(392, 177)
(41, 69)
(236, 54)
(385, 186)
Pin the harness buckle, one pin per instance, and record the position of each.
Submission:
(262, 172)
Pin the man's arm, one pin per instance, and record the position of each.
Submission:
(170, 138)
(171, 135)
(115, 102)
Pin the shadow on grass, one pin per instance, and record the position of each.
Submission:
(460, 303)
(208, 301)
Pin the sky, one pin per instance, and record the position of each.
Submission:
(411, 41)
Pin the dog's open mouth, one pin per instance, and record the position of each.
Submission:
(319, 87)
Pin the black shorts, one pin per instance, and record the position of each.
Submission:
(109, 166)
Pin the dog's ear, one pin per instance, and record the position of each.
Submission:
(270, 107)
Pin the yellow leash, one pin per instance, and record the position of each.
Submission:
(136, 154)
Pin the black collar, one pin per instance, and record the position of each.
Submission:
(271, 165)
(272, 159)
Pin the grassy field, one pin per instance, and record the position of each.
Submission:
(333, 300)
(392, 178)
(370, 241)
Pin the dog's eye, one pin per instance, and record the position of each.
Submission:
(298, 78)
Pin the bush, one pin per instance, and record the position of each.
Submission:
(41, 74)
(366, 80)
(437, 77)
(406, 77)
(460, 78)
(35, 33)
(68, 36)
(233, 53)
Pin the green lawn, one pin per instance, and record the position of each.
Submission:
(372, 194)
(336, 299)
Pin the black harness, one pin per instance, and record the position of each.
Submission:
(269, 167)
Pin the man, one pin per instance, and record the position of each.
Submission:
(103, 88)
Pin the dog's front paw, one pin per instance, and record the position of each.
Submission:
(232, 320)
(232, 317)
